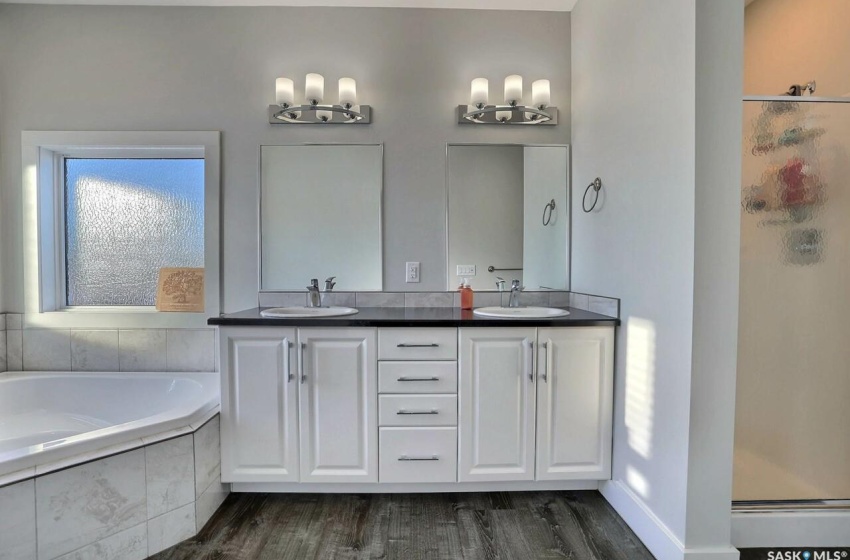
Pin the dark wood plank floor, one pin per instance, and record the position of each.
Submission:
(498, 525)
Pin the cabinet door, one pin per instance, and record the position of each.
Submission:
(574, 403)
(496, 401)
(259, 416)
(339, 405)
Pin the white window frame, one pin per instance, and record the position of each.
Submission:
(43, 156)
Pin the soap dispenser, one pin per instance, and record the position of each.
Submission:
(466, 295)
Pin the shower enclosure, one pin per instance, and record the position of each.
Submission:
(792, 434)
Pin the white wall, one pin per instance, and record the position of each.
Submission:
(639, 124)
(169, 68)
(791, 42)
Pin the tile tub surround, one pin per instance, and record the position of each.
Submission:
(129, 505)
(548, 298)
(130, 350)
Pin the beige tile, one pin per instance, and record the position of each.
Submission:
(86, 504)
(428, 299)
(17, 515)
(379, 299)
(14, 350)
(190, 350)
(13, 321)
(47, 349)
(282, 299)
(142, 350)
(171, 528)
(209, 501)
(130, 544)
(170, 475)
(207, 455)
(94, 350)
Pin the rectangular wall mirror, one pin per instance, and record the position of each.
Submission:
(320, 216)
(501, 218)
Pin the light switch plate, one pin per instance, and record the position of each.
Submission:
(466, 270)
(411, 272)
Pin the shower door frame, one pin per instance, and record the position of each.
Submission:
(791, 523)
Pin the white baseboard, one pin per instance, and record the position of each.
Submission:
(654, 534)
(407, 488)
(771, 529)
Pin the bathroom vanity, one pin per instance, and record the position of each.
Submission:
(415, 399)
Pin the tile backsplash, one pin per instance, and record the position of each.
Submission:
(596, 304)
(105, 349)
(196, 349)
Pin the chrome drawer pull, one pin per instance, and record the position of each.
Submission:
(418, 378)
(407, 345)
(432, 411)
(406, 458)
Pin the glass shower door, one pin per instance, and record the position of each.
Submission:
(793, 395)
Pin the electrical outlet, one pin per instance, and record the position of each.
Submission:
(411, 272)
(466, 270)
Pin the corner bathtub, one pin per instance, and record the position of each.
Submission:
(49, 421)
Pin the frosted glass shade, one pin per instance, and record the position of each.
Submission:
(480, 92)
(325, 115)
(314, 89)
(540, 96)
(513, 89)
(503, 115)
(284, 90)
(347, 92)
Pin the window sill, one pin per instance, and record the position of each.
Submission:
(112, 318)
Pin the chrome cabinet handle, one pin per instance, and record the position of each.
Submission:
(432, 411)
(303, 369)
(408, 345)
(287, 357)
(418, 379)
(545, 347)
(531, 361)
(406, 458)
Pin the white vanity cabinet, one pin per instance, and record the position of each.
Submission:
(299, 405)
(338, 405)
(535, 404)
(408, 409)
(259, 404)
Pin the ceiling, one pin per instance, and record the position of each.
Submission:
(532, 5)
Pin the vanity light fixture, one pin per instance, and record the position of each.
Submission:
(513, 111)
(314, 111)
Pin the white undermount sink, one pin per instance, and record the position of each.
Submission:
(296, 312)
(521, 312)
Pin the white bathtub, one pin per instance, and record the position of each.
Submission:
(49, 419)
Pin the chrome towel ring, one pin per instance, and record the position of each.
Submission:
(597, 186)
(551, 208)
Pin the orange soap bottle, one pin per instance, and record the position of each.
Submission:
(466, 295)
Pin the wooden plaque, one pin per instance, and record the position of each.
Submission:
(180, 289)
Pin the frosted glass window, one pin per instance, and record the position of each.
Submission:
(124, 220)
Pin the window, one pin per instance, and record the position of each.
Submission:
(124, 220)
(104, 212)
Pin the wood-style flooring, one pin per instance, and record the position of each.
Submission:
(498, 525)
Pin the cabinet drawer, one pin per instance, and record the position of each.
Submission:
(417, 410)
(418, 455)
(417, 377)
(417, 344)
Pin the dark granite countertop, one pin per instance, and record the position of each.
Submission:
(412, 317)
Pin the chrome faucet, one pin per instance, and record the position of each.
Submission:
(516, 289)
(500, 285)
(329, 287)
(314, 297)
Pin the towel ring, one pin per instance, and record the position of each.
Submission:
(597, 186)
(551, 208)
